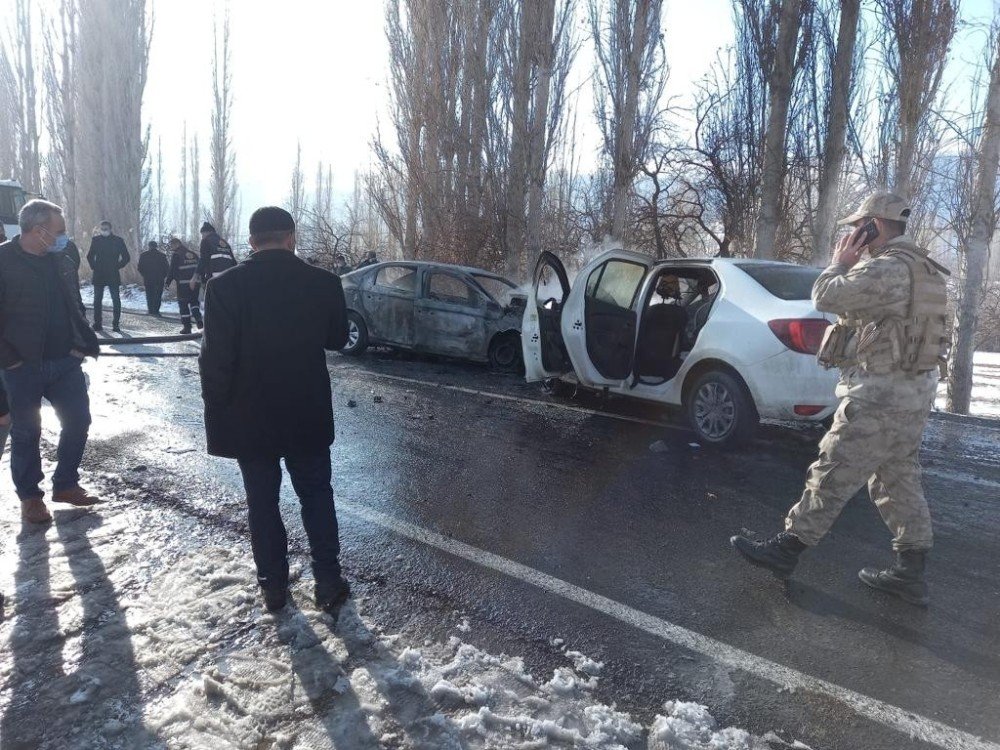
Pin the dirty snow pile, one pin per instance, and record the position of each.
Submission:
(133, 628)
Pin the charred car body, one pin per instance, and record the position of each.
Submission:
(435, 308)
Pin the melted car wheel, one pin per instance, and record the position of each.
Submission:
(721, 411)
(357, 335)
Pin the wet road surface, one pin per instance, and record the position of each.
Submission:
(489, 461)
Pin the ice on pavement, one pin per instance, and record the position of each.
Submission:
(125, 637)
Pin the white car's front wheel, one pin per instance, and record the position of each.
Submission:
(720, 410)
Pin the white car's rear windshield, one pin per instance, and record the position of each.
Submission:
(783, 281)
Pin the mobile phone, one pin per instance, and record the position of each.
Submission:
(869, 232)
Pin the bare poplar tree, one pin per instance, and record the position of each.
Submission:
(182, 207)
(30, 171)
(542, 52)
(9, 117)
(160, 203)
(782, 78)
(297, 193)
(111, 144)
(917, 37)
(629, 78)
(222, 186)
(835, 141)
(982, 225)
(60, 43)
(196, 210)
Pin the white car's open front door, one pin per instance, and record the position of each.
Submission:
(541, 330)
(600, 320)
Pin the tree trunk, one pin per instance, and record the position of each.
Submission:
(834, 147)
(983, 226)
(780, 88)
(624, 152)
(538, 137)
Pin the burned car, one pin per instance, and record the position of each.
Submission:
(435, 308)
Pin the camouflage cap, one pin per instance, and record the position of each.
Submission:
(881, 205)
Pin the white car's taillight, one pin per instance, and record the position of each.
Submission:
(802, 335)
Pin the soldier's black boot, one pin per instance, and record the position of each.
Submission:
(905, 578)
(779, 554)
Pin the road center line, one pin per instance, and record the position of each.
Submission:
(951, 476)
(906, 722)
(531, 401)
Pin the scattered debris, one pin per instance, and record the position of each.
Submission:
(694, 445)
(377, 399)
(352, 404)
(139, 468)
(711, 496)
(659, 447)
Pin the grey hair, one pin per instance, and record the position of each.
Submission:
(36, 213)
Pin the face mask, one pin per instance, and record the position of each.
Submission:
(59, 244)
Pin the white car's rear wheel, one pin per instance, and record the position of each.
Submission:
(721, 410)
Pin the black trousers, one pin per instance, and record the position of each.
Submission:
(116, 302)
(188, 303)
(154, 295)
(310, 474)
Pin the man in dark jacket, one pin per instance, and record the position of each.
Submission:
(43, 341)
(107, 257)
(268, 324)
(214, 252)
(184, 270)
(154, 268)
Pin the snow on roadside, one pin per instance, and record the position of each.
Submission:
(153, 636)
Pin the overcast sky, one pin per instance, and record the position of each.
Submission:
(315, 71)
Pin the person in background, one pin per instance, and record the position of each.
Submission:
(107, 257)
(340, 267)
(3, 234)
(43, 341)
(184, 270)
(268, 325)
(154, 269)
(215, 254)
(370, 259)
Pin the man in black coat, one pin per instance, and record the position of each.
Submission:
(43, 341)
(266, 387)
(107, 257)
(153, 267)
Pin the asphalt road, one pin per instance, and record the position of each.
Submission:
(552, 498)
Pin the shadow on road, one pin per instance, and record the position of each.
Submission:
(98, 686)
(804, 596)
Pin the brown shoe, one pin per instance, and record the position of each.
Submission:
(33, 510)
(75, 496)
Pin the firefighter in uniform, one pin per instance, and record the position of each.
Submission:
(215, 253)
(890, 344)
(184, 270)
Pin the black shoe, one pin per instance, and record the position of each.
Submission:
(200, 324)
(779, 554)
(116, 328)
(904, 579)
(98, 327)
(331, 595)
(275, 597)
(186, 330)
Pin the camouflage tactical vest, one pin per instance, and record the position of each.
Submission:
(919, 341)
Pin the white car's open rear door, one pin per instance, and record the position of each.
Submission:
(541, 330)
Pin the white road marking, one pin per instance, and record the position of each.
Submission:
(951, 476)
(531, 401)
(903, 721)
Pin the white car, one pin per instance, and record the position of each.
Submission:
(730, 340)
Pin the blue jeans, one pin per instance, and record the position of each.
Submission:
(310, 474)
(62, 383)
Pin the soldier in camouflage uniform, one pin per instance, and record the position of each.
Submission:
(889, 343)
